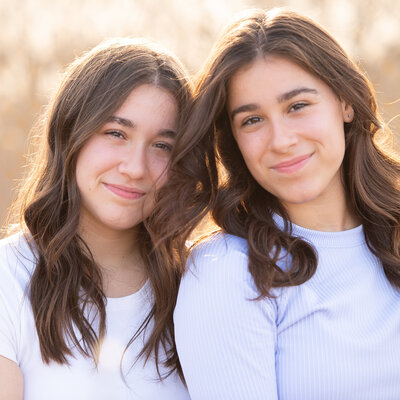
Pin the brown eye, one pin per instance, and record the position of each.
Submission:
(298, 106)
(163, 146)
(251, 121)
(115, 134)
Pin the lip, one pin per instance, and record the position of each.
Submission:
(125, 192)
(292, 165)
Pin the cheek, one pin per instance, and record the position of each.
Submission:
(158, 168)
(328, 132)
(244, 147)
(95, 158)
(335, 142)
(82, 171)
(253, 144)
(254, 155)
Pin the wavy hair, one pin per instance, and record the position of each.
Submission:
(243, 207)
(66, 282)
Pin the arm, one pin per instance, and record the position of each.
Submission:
(225, 340)
(11, 381)
(11, 378)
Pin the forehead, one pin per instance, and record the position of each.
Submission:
(271, 75)
(149, 99)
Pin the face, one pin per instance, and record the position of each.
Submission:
(289, 127)
(124, 162)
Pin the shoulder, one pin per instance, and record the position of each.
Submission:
(220, 242)
(17, 241)
(16, 249)
(17, 261)
(218, 292)
(220, 261)
(217, 250)
(220, 257)
(16, 266)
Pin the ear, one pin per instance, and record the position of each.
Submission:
(347, 112)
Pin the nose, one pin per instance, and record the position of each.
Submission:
(282, 136)
(133, 162)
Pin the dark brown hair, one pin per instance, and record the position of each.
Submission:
(66, 281)
(243, 207)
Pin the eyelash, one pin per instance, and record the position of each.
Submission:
(251, 120)
(294, 107)
(116, 134)
(298, 106)
(119, 135)
(163, 146)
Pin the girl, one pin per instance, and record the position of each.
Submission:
(85, 301)
(298, 297)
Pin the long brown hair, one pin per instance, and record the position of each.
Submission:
(66, 281)
(243, 207)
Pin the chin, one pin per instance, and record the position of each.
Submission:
(122, 225)
(299, 198)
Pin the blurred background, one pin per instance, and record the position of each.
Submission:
(40, 37)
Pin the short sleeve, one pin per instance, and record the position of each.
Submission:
(10, 302)
(225, 339)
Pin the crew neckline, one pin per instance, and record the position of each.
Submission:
(144, 293)
(348, 238)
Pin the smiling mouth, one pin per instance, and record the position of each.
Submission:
(125, 192)
(293, 164)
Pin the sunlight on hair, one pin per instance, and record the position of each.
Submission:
(387, 141)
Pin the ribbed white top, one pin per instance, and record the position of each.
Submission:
(336, 337)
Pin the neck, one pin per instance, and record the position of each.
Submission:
(118, 256)
(330, 213)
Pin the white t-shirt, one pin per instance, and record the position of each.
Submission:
(79, 380)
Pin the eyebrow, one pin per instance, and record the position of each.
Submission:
(288, 95)
(121, 121)
(281, 99)
(168, 133)
(244, 108)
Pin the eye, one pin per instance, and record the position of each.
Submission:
(251, 121)
(298, 106)
(116, 134)
(163, 146)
